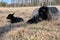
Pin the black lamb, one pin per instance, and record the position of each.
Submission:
(14, 19)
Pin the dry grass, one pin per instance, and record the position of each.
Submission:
(45, 30)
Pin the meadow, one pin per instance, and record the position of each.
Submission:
(45, 30)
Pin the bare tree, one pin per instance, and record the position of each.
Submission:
(33, 2)
(13, 3)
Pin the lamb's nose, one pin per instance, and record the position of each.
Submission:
(7, 18)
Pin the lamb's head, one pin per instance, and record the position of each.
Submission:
(10, 16)
(43, 9)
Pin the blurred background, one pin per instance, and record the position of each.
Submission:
(23, 3)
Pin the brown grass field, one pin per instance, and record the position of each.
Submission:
(45, 30)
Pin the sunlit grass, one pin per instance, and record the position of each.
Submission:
(45, 30)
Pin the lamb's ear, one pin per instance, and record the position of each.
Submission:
(13, 13)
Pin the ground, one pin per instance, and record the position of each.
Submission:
(45, 30)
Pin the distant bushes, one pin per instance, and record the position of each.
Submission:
(3, 4)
